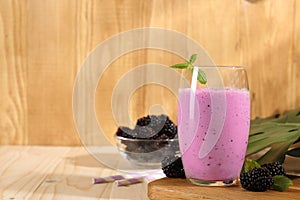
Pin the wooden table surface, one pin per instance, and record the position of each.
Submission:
(167, 188)
(39, 172)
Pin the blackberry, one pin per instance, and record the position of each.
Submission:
(157, 122)
(172, 167)
(170, 129)
(258, 180)
(143, 132)
(167, 129)
(143, 121)
(159, 127)
(275, 168)
(125, 132)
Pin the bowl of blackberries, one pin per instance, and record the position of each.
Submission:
(153, 138)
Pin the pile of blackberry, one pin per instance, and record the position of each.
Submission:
(152, 133)
(261, 179)
(151, 127)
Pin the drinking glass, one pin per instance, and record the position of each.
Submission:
(213, 124)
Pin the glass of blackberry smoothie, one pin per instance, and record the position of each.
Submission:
(213, 124)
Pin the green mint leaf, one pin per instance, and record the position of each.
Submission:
(201, 77)
(190, 67)
(193, 58)
(281, 183)
(250, 165)
(180, 66)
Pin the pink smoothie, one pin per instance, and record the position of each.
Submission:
(213, 128)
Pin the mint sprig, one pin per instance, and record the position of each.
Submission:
(201, 77)
(281, 183)
(250, 165)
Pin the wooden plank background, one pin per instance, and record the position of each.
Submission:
(44, 43)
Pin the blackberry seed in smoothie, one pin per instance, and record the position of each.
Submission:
(213, 128)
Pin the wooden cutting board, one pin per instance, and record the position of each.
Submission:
(170, 188)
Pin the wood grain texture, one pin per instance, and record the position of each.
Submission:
(39, 172)
(295, 59)
(13, 73)
(264, 36)
(25, 168)
(53, 40)
(168, 188)
(44, 43)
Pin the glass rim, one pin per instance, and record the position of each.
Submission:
(145, 140)
(222, 66)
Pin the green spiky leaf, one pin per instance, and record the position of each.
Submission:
(276, 153)
(281, 183)
(274, 135)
